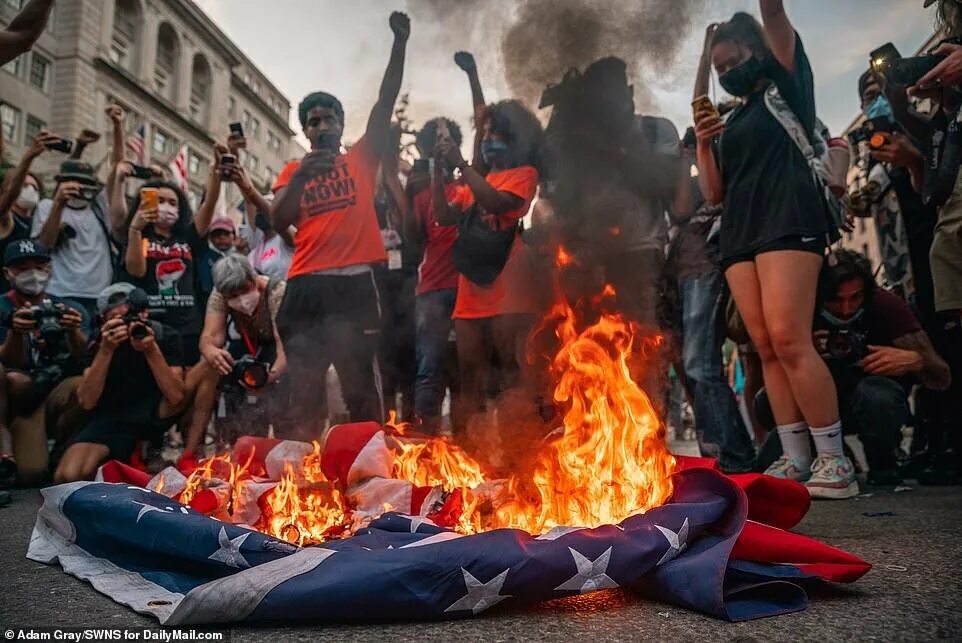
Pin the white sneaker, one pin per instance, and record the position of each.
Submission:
(832, 477)
(789, 469)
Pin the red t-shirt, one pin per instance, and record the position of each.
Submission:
(337, 225)
(437, 271)
(511, 291)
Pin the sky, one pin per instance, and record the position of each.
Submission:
(342, 47)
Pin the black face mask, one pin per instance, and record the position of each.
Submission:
(262, 223)
(741, 80)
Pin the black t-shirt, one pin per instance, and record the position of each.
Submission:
(130, 392)
(20, 230)
(769, 189)
(171, 279)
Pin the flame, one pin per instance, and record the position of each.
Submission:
(302, 510)
(563, 257)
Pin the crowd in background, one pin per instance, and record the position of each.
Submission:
(129, 319)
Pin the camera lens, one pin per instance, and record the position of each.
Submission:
(138, 331)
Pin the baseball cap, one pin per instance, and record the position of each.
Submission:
(25, 249)
(223, 224)
(114, 295)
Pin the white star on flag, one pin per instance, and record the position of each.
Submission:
(229, 551)
(480, 595)
(677, 542)
(591, 574)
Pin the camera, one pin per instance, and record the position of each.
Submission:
(875, 131)
(48, 316)
(845, 345)
(89, 192)
(905, 72)
(250, 372)
(227, 163)
(137, 303)
(141, 172)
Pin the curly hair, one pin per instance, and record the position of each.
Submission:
(319, 99)
(185, 216)
(520, 129)
(428, 135)
(743, 29)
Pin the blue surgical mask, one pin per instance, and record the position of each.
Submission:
(880, 107)
(493, 152)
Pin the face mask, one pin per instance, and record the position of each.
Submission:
(77, 204)
(28, 199)
(880, 107)
(246, 303)
(262, 223)
(229, 250)
(842, 323)
(742, 79)
(493, 152)
(167, 214)
(31, 282)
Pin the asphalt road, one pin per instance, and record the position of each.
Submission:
(912, 594)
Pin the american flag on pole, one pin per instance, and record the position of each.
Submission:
(135, 144)
(720, 545)
(178, 168)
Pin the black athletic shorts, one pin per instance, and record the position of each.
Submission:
(120, 436)
(814, 244)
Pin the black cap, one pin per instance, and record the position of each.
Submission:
(25, 249)
(73, 170)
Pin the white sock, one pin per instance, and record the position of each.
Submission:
(828, 439)
(795, 445)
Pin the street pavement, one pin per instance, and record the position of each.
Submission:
(912, 593)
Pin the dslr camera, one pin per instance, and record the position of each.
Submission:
(846, 346)
(250, 372)
(137, 303)
(48, 317)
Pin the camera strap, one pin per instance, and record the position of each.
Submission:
(112, 247)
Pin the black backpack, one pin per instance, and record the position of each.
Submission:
(481, 251)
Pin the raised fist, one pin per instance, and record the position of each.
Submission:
(400, 25)
(465, 61)
(115, 113)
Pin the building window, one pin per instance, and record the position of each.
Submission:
(40, 72)
(250, 162)
(193, 163)
(231, 106)
(861, 225)
(126, 34)
(246, 122)
(200, 90)
(255, 129)
(34, 125)
(165, 71)
(195, 197)
(273, 142)
(16, 5)
(161, 142)
(10, 119)
(14, 66)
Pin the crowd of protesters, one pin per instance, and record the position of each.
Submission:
(424, 279)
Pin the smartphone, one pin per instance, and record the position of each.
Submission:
(236, 129)
(227, 162)
(703, 104)
(60, 145)
(141, 172)
(148, 199)
(884, 56)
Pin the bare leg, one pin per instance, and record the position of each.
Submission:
(744, 283)
(788, 280)
(80, 462)
(202, 382)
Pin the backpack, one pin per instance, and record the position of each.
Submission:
(816, 153)
(480, 251)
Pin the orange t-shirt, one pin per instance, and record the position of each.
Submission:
(337, 226)
(509, 293)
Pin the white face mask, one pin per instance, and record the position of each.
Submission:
(167, 214)
(28, 199)
(31, 282)
(77, 204)
(246, 303)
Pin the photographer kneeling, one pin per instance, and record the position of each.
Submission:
(42, 342)
(876, 350)
(132, 385)
(255, 361)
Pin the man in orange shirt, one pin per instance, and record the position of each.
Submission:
(330, 312)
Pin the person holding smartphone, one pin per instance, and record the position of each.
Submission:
(774, 234)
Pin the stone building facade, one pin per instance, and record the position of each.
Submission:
(172, 69)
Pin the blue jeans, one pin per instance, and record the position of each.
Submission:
(717, 420)
(433, 320)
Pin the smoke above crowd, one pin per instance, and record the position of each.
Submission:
(537, 41)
